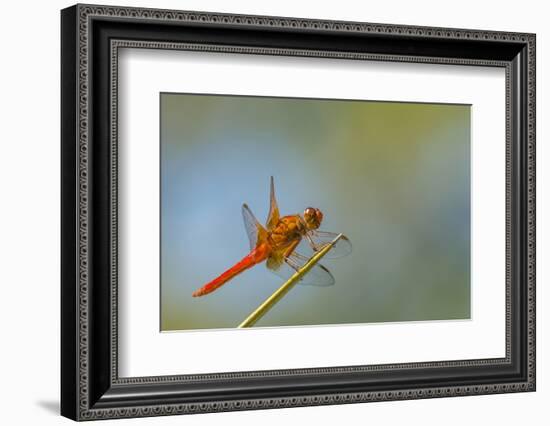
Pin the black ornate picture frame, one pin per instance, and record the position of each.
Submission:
(90, 385)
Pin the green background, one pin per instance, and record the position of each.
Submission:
(394, 177)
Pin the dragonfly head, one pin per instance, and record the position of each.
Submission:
(313, 217)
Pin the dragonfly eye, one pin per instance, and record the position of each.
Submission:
(313, 217)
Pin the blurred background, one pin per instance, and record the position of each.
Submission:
(394, 177)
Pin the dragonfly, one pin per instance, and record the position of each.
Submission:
(276, 244)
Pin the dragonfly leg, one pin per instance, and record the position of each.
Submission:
(318, 275)
(287, 254)
(292, 264)
(291, 248)
(312, 243)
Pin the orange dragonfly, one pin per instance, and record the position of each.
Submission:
(276, 244)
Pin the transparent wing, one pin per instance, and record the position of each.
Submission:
(317, 276)
(315, 240)
(273, 216)
(254, 229)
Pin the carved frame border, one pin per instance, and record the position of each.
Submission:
(85, 13)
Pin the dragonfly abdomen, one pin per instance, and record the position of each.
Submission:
(257, 255)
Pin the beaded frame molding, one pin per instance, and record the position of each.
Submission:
(91, 38)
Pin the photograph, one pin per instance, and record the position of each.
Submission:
(252, 187)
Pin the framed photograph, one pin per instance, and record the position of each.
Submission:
(263, 212)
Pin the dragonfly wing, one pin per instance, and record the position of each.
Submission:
(254, 229)
(315, 240)
(317, 276)
(273, 216)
